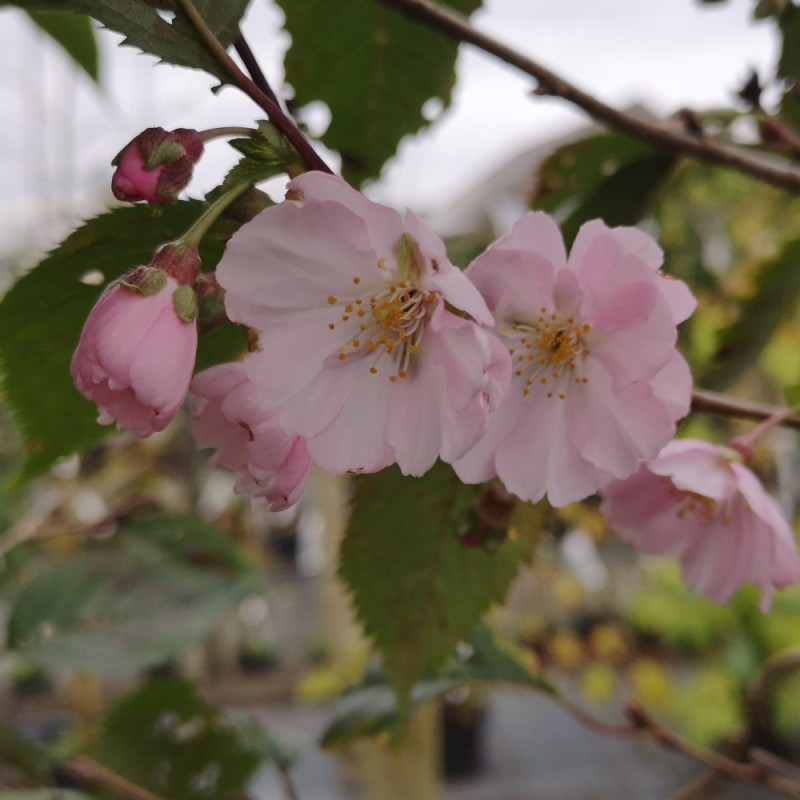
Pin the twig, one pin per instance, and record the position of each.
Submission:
(716, 403)
(274, 111)
(456, 27)
(758, 699)
(252, 67)
(640, 722)
(699, 787)
(89, 771)
(288, 784)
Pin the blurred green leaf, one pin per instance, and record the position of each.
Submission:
(371, 708)
(75, 33)
(409, 529)
(374, 68)
(165, 738)
(171, 40)
(607, 176)
(772, 301)
(789, 26)
(154, 589)
(680, 618)
(25, 756)
(42, 315)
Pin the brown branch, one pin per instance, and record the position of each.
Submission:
(640, 722)
(715, 403)
(246, 84)
(89, 771)
(253, 68)
(456, 27)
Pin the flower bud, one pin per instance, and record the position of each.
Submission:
(136, 353)
(156, 165)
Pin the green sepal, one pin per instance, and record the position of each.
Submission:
(146, 281)
(166, 152)
(184, 301)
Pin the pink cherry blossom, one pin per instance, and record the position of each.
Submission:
(269, 463)
(365, 329)
(156, 165)
(135, 356)
(698, 503)
(597, 382)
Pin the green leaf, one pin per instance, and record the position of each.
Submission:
(75, 33)
(772, 302)
(374, 68)
(135, 601)
(371, 708)
(171, 40)
(417, 587)
(165, 738)
(42, 315)
(607, 176)
(266, 154)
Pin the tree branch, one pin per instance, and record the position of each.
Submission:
(458, 28)
(246, 84)
(716, 403)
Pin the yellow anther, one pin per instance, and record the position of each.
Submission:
(332, 300)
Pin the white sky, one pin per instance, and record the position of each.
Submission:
(59, 133)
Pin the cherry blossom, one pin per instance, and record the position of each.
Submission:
(269, 463)
(597, 382)
(697, 502)
(366, 332)
(136, 354)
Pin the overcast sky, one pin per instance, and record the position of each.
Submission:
(59, 132)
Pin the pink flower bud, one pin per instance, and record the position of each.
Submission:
(270, 464)
(156, 165)
(136, 354)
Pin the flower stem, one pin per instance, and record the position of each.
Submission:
(216, 133)
(246, 84)
(745, 445)
(195, 234)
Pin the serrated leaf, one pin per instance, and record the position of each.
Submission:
(374, 68)
(264, 157)
(417, 588)
(172, 40)
(371, 708)
(607, 176)
(75, 34)
(165, 738)
(135, 601)
(773, 300)
(42, 315)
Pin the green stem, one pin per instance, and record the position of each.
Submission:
(216, 133)
(195, 234)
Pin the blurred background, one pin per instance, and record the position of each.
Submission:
(246, 604)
